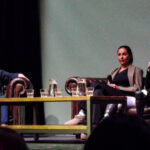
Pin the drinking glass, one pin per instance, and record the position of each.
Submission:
(89, 91)
(58, 92)
(30, 93)
(44, 92)
(74, 91)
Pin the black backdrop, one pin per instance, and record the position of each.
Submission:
(20, 49)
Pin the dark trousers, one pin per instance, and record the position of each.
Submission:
(101, 89)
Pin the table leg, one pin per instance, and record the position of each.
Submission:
(35, 120)
(89, 118)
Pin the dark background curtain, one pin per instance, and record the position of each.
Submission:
(20, 43)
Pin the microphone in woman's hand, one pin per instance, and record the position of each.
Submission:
(109, 78)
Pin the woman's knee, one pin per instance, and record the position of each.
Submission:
(98, 92)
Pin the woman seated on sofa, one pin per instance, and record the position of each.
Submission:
(123, 81)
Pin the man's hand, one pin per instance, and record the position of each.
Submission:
(20, 75)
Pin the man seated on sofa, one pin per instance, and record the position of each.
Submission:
(5, 78)
(143, 95)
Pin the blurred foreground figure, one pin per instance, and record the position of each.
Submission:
(120, 132)
(10, 140)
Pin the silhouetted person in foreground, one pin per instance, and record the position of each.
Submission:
(11, 140)
(120, 132)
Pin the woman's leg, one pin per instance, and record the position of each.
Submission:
(101, 110)
(110, 110)
(98, 109)
(109, 91)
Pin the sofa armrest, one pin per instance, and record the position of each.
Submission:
(17, 87)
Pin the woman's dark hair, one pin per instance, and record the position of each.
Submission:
(129, 52)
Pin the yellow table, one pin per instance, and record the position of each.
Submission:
(59, 128)
(45, 128)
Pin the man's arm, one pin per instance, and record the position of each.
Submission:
(6, 77)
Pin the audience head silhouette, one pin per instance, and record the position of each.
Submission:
(10, 140)
(120, 132)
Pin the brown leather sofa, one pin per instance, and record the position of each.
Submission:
(17, 88)
(72, 82)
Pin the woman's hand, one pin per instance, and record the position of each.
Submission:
(113, 85)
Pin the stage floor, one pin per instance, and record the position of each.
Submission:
(54, 146)
(55, 142)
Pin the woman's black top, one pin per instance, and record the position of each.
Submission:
(121, 79)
